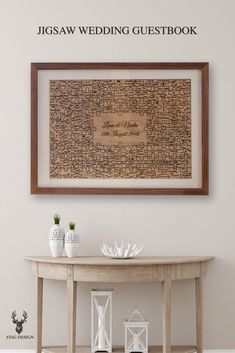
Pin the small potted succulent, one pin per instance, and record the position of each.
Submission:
(56, 237)
(72, 241)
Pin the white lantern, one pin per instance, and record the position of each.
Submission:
(136, 333)
(101, 320)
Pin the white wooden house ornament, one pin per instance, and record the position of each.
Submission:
(101, 320)
(136, 333)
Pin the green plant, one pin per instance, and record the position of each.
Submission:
(57, 218)
(72, 225)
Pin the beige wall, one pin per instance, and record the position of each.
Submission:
(166, 225)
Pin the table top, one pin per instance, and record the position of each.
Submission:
(102, 260)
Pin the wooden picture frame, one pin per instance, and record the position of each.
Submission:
(119, 128)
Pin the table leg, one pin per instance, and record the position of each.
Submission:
(39, 303)
(72, 295)
(199, 312)
(166, 315)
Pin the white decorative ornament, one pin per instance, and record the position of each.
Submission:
(124, 251)
(136, 333)
(56, 240)
(101, 320)
(72, 243)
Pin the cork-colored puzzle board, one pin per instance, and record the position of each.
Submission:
(120, 129)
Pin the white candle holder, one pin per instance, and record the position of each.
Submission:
(136, 333)
(101, 320)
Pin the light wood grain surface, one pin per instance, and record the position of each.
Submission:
(102, 260)
(120, 349)
(199, 313)
(39, 306)
(166, 316)
(103, 269)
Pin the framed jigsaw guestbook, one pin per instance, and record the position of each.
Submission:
(119, 128)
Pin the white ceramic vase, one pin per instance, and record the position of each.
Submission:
(56, 240)
(72, 242)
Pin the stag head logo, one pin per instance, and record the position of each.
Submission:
(19, 323)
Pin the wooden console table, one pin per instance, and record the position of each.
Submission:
(103, 269)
